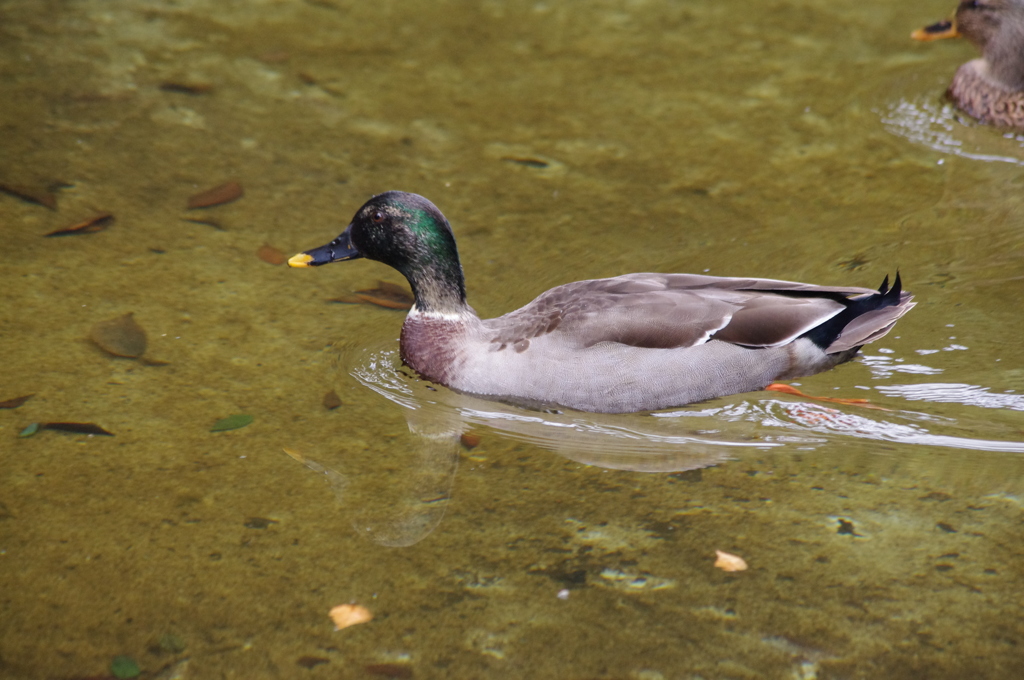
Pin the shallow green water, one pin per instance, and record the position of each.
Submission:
(797, 140)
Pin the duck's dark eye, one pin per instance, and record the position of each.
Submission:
(378, 217)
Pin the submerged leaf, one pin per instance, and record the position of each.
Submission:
(30, 430)
(345, 615)
(386, 294)
(122, 337)
(295, 454)
(271, 255)
(729, 562)
(77, 428)
(219, 195)
(260, 522)
(331, 400)
(16, 402)
(124, 667)
(39, 195)
(232, 422)
(186, 87)
(95, 223)
(209, 223)
(528, 162)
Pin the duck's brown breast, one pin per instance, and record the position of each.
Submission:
(983, 99)
(434, 346)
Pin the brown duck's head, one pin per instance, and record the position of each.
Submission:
(996, 27)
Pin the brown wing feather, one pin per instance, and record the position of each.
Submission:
(673, 310)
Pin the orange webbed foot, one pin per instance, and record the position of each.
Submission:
(789, 389)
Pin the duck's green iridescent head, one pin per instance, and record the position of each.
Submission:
(409, 233)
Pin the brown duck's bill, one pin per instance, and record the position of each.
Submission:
(337, 250)
(936, 31)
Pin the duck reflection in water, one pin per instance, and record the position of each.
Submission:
(401, 509)
(401, 506)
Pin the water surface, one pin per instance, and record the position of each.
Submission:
(794, 140)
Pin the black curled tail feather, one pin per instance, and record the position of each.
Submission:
(892, 295)
(865, 319)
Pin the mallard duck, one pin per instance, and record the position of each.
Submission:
(639, 342)
(990, 89)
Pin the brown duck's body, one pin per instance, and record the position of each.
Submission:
(990, 89)
(977, 94)
(638, 342)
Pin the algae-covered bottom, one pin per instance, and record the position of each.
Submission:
(182, 151)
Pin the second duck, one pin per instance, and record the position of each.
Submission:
(991, 88)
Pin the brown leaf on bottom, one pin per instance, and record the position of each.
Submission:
(37, 195)
(386, 294)
(219, 195)
(121, 336)
(331, 400)
(16, 402)
(271, 255)
(97, 222)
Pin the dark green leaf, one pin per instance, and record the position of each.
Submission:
(124, 667)
(232, 422)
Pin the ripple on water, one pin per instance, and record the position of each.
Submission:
(694, 436)
(956, 393)
(940, 126)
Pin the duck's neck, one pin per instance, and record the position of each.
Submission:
(1004, 58)
(435, 332)
(439, 288)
